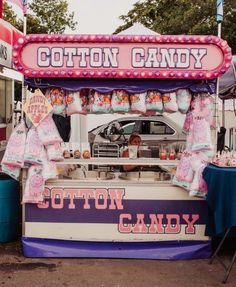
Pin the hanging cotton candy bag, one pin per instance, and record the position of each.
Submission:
(154, 101)
(56, 97)
(84, 101)
(12, 171)
(184, 172)
(73, 102)
(138, 103)
(47, 131)
(14, 154)
(201, 138)
(54, 152)
(169, 102)
(49, 168)
(198, 186)
(207, 104)
(188, 121)
(120, 101)
(100, 103)
(33, 148)
(184, 98)
(34, 186)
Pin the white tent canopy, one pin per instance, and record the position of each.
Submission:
(138, 29)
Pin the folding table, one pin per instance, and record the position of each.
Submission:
(221, 200)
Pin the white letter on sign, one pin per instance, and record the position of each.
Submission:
(57, 57)
(152, 58)
(167, 60)
(70, 52)
(96, 57)
(183, 60)
(110, 57)
(43, 57)
(198, 54)
(137, 54)
(83, 52)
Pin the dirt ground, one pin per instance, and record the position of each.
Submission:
(16, 270)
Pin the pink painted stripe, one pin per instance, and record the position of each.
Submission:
(6, 34)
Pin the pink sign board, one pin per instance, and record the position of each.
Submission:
(37, 107)
(114, 56)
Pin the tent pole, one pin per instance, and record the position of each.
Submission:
(216, 103)
(223, 113)
(24, 88)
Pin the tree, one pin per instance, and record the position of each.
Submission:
(52, 16)
(44, 16)
(183, 17)
(11, 17)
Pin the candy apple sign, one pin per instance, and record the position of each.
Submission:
(102, 56)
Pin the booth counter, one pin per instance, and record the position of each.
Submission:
(114, 214)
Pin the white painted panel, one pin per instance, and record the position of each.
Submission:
(103, 232)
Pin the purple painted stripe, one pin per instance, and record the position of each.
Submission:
(133, 207)
(171, 250)
(131, 85)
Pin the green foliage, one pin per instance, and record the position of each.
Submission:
(44, 16)
(51, 16)
(11, 17)
(183, 17)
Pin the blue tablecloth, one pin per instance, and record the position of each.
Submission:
(221, 199)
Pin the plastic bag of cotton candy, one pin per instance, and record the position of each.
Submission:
(14, 154)
(184, 98)
(56, 97)
(47, 131)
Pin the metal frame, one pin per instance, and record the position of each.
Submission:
(228, 267)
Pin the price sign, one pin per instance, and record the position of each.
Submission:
(37, 107)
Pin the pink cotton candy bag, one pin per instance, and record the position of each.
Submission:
(184, 98)
(201, 134)
(49, 168)
(188, 121)
(99, 103)
(54, 152)
(12, 171)
(138, 103)
(120, 101)
(169, 102)
(47, 131)
(198, 186)
(14, 154)
(184, 170)
(56, 97)
(73, 102)
(154, 101)
(207, 104)
(33, 148)
(34, 186)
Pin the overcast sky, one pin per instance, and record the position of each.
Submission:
(99, 16)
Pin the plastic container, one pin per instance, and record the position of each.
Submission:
(9, 209)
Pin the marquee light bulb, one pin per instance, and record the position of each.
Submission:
(21, 40)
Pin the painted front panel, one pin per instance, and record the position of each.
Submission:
(117, 213)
